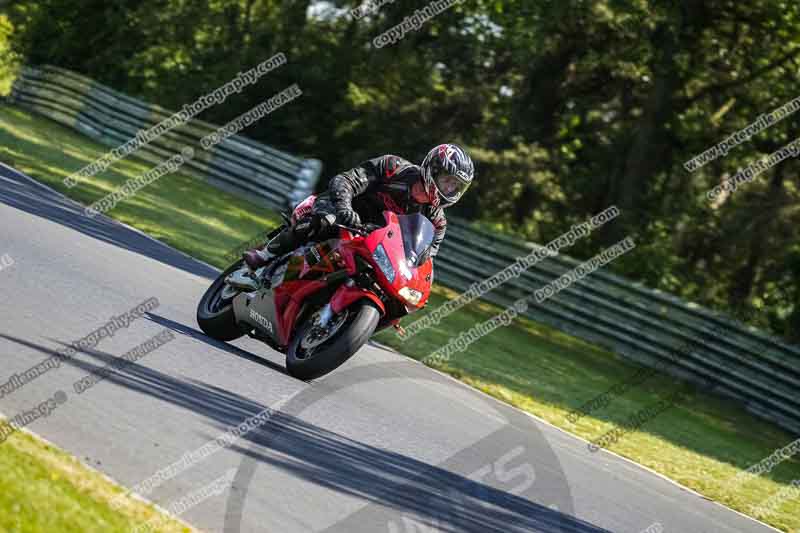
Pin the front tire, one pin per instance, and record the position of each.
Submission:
(363, 317)
(215, 313)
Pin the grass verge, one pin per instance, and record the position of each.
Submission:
(35, 476)
(702, 441)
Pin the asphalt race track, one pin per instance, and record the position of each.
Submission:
(383, 444)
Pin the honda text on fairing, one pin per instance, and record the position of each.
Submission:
(322, 302)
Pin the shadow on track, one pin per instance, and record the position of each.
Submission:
(25, 194)
(404, 494)
(396, 486)
(224, 346)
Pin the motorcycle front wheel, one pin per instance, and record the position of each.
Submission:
(315, 350)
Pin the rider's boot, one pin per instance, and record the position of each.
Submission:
(284, 242)
(257, 258)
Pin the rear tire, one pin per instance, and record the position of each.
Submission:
(354, 333)
(216, 317)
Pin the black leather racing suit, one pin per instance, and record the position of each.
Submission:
(376, 185)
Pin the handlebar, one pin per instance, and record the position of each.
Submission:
(363, 229)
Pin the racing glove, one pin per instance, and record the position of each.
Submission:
(346, 216)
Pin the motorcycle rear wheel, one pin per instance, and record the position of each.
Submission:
(359, 325)
(214, 314)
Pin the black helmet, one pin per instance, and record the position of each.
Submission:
(447, 173)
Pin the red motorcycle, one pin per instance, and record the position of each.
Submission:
(321, 303)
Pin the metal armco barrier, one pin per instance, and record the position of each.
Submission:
(239, 165)
(641, 324)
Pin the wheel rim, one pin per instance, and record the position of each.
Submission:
(221, 298)
(318, 334)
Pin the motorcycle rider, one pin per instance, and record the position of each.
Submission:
(384, 183)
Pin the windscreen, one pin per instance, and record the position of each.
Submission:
(417, 236)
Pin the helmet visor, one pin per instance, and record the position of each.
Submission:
(451, 186)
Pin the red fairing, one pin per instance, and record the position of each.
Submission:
(314, 268)
(419, 279)
(344, 296)
(289, 298)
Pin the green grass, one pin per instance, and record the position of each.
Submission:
(45, 489)
(702, 442)
(176, 209)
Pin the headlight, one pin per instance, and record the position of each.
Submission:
(404, 270)
(384, 263)
(410, 295)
